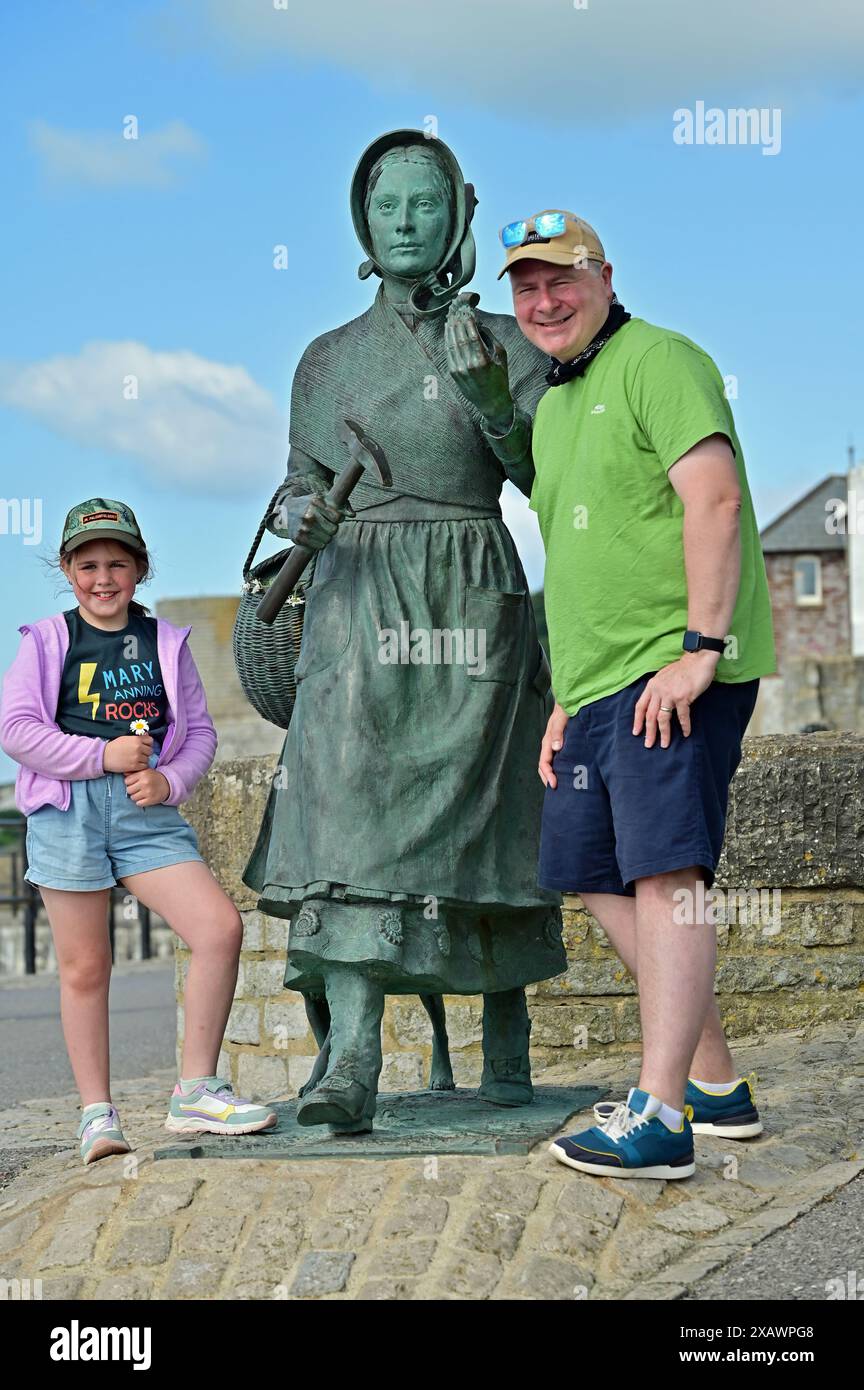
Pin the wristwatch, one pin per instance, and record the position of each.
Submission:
(695, 642)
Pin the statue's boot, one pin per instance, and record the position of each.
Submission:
(346, 1096)
(506, 1078)
(363, 1123)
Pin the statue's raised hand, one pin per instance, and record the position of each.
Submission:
(478, 365)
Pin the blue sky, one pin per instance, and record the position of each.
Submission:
(154, 257)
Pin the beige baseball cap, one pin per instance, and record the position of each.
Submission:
(575, 241)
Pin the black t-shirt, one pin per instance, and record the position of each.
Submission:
(112, 680)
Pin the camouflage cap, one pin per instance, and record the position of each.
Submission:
(100, 518)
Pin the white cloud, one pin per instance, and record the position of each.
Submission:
(108, 160)
(195, 424)
(584, 67)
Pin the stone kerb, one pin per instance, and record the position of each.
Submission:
(789, 914)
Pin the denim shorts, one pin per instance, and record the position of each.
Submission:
(622, 811)
(103, 836)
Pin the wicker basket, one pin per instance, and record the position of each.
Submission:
(265, 654)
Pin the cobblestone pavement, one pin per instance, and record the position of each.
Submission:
(445, 1228)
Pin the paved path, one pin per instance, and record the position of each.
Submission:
(143, 1012)
(819, 1254)
(446, 1228)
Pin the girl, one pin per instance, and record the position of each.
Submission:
(104, 710)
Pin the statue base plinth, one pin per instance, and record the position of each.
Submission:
(409, 1124)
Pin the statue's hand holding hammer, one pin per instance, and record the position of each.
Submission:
(310, 521)
(478, 365)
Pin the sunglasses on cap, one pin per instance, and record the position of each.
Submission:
(545, 225)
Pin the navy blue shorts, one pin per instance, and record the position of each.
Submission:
(622, 811)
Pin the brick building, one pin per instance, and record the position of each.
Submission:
(813, 564)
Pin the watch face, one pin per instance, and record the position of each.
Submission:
(691, 641)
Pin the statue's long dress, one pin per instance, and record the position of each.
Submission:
(402, 834)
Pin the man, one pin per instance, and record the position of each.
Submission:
(660, 627)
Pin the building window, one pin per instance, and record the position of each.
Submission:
(808, 580)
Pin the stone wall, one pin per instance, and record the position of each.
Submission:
(824, 690)
(242, 732)
(790, 930)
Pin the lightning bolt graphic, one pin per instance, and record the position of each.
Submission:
(85, 675)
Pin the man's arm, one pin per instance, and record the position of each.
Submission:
(706, 480)
(678, 399)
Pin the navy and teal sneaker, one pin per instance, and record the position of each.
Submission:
(632, 1143)
(731, 1114)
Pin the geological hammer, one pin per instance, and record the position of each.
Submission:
(365, 453)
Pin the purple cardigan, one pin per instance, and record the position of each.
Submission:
(50, 759)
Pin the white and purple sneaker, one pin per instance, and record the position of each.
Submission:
(100, 1132)
(213, 1108)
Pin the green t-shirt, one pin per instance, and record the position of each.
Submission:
(615, 585)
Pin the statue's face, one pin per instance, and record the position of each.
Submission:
(409, 220)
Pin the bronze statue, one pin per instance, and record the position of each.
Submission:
(401, 837)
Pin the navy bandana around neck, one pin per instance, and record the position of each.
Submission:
(566, 371)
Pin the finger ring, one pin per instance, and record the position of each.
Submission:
(667, 709)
